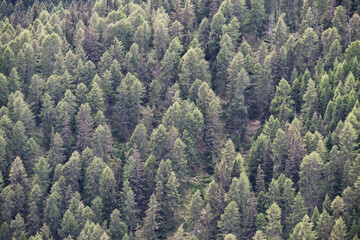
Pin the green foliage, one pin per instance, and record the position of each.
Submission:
(178, 119)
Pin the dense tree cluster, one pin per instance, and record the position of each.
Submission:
(171, 119)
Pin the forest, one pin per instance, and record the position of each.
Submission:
(179, 119)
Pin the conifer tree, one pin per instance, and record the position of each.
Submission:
(237, 108)
(192, 66)
(274, 227)
(69, 226)
(230, 220)
(310, 101)
(339, 21)
(339, 230)
(324, 225)
(310, 178)
(95, 97)
(280, 33)
(195, 208)
(117, 228)
(84, 123)
(282, 104)
(18, 227)
(298, 211)
(92, 177)
(170, 64)
(129, 207)
(223, 60)
(258, 155)
(280, 152)
(151, 224)
(101, 142)
(215, 33)
(354, 28)
(304, 230)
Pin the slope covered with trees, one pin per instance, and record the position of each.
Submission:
(180, 119)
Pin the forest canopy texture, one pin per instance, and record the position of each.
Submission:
(180, 119)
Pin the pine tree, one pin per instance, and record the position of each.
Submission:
(195, 208)
(50, 47)
(337, 207)
(170, 64)
(128, 105)
(161, 37)
(42, 171)
(259, 235)
(282, 104)
(4, 231)
(258, 155)
(84, 123)
(72, 171)
(117, 228)
(18, 140)
(101, 142)
(192, 66)
(129, 207)
(18, 227)
(240, 193)
(179, 160)
(324, 225)
(14, 83)
(274, 227)
(260, 181)
(52, 213)
(298, 211)
(151, 224)
(339, 21)
(339, 230)
(213, 129)
(56, 152)
(69, 226)
(223, 60)
(35, 93)
(230, 220)
(47, 116)
(215, 33)
(280, 33)
(354, 28)
(296, 148)
(249, 223)
(310, 178)
(107, 190)
(280, 152)
(237, 108)
(95, 97)
(304, 230)
(92, 179)
(188, 16)
(310, 101)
